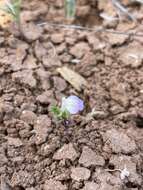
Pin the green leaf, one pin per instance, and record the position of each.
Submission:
(65, 114)
(60, 114)
(55, 110)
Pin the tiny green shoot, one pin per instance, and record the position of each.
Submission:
(59, 113)
(13, 8)
(70, 8)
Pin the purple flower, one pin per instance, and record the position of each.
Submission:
(72, 104)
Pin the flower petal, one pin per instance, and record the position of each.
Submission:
(73, 104)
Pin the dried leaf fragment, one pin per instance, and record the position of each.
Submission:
(76, 80)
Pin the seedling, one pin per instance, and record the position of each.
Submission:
(69, 106)
(70, 8)
(12, 7)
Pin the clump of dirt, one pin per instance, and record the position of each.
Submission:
(36, 153)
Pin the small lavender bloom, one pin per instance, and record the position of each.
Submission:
(72, 104)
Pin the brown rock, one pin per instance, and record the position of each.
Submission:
(79, 50)
(132, 55)
(66, 152)
(18, 159)
(65, 175)
(83, 10)
(6, 107)
(80, 174)
(28, 116)
(3, 159)
(39, 50)
(30, 62)
(31, 32)
(116, 109)
(95, 42)
(18, 99)
(42, 128)
(44, 78)
(14, 142)
(65, 57)
(87, 64)
(91, 186)
(57, 38)
(2, 39)
(22, 177)
(90, 158)
(59, 84)
(116, 39)
(25, 77)
(119, 142)
(106, 186)
(107, 7)
(43, 121)
(70, 40)
(54, 185)
(48, 149)
(39, 9)
(29, 105)
(5, 185)
(27, 16)
(50, 61)
(60, 49)
(14, 61)
(45, 97)
(118, 93)
(30, 188)
(77, 185)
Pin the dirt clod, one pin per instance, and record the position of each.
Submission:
(90, 158)
(25, 77)
(28, 116)
(57, 38)
(31, 32)
(54, 185)
(119, 142)
(80, 174)
(79, 50)
(16, 142)
(42, 128)
(59, 84)
(66, 152)
(91, 186)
